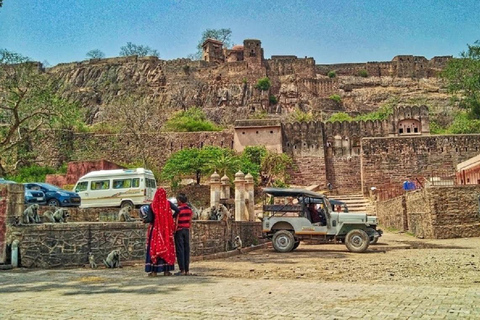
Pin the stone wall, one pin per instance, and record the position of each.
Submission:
(392, 160)
(128, 148)
(392, 213)
(434, 212)
(97, 230)
(68, 244)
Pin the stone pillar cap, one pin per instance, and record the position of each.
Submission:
(239, 175)
(249, 177)
(215, 176)
(225, 178)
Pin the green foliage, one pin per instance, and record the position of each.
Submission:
(464, 124)
(274, 168)
(259, 115)
(223, 35)
(29, 107)
(100, 128)
(32, 173)
(436, 128)
(362, 73)
(336, 98)
(272, 100)
(95, 54)
(137, 50)
(340, 116)
(191, 120)
(263, 84)
(463, 77)
(332, 74)
(381, 114)
(203, 162)
(300, 116)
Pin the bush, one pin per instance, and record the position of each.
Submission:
(300, 116)
(332, 74)
(272, 100)
(263, 84)
(336, 98)
(191, 120)
(339, 116)
(362, 73)
(32, 173)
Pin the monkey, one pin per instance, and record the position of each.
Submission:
(113, 259)
(48, 216)
(237, 243)
(30, 215)
(124, 214)
(60, 215)
(91, 260)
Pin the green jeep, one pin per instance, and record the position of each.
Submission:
(293, 215)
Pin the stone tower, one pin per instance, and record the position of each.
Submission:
(253, 52)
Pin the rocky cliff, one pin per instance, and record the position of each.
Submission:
(228, 91)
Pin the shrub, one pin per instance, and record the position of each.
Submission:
(339, 116)
(332, 74)
(299, 116)
(272, 100)
(336, 98)
(362, 73)
(263, 84)
(191, 120)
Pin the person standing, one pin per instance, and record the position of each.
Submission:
(160, 255)
(182, 235)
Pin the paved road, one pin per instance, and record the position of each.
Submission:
(127, 293)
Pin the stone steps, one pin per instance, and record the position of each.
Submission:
(355, 203)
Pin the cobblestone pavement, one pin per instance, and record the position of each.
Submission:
(411, 279)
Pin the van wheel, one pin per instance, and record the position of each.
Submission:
(125, 204)
(295, 246)
(357, 240)
(283, 241)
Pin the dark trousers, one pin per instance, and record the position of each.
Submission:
(182, 246)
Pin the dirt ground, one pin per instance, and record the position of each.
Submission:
(397, 257)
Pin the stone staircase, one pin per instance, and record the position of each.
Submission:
(355, 203)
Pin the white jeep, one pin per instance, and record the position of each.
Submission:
(287, 220)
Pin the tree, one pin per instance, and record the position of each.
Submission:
(222, 35)
(463, 77)
(274, 168)
(29, 107)
(137, 50)
(95, 54)
(340, 116)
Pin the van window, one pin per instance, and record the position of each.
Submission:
(100, 185)
(150, 183)
(126, 183)
(81, 186)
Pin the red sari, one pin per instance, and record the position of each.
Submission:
(161, 244)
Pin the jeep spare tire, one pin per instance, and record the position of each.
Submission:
(283, 241)
(357, 240)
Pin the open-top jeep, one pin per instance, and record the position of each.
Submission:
(293, 215)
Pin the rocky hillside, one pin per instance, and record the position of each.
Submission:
(108, 87)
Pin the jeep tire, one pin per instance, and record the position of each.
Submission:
(295, 246)
(283, 241)
(357, 240)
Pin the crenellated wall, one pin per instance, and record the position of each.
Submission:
(401, 66)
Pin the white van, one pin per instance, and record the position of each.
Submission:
(116, 188)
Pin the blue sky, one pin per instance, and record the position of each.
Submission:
(327, 30)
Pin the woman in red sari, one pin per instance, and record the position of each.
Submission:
(160, 241)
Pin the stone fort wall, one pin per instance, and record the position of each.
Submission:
(434, 212)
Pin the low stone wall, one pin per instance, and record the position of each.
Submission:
(435, 212)
(97, 230)
(49, 245)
